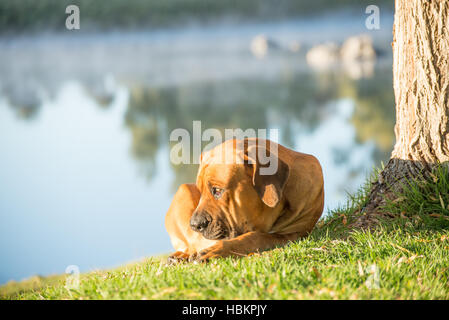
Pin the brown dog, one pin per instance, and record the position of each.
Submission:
(236, 209)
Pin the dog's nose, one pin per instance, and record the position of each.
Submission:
(200, 221)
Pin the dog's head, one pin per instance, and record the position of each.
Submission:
(239, 181)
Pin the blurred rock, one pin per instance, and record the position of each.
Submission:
(260, 45)
(358, 69)
(359, 57)
(323, 56)
(358, 48)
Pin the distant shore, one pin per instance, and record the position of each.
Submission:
(44, 15)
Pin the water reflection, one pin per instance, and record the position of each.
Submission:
(302, 104)
(85, 176)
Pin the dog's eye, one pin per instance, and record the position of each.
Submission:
(216, 192)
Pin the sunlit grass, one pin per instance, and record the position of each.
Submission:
(424, 199)
(404, 258)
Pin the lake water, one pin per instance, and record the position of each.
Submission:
(85, 119)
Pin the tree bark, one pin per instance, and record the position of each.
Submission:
(421, 87)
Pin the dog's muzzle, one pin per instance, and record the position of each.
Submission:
(200, 221)
(212, 229)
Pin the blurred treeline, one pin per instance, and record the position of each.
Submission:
(38, 15)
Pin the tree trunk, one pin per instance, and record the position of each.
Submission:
(421, 87)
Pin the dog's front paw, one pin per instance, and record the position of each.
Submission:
(177, 257)
(220, 249)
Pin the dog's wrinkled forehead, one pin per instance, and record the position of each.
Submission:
(228, 153)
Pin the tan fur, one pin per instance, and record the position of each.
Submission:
(262, 211)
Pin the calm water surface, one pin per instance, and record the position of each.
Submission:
(85, 176)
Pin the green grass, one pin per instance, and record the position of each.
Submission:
(425, 200)
(403, 258)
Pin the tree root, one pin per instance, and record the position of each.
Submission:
(389, 183)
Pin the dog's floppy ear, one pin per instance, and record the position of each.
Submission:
(268, 185)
